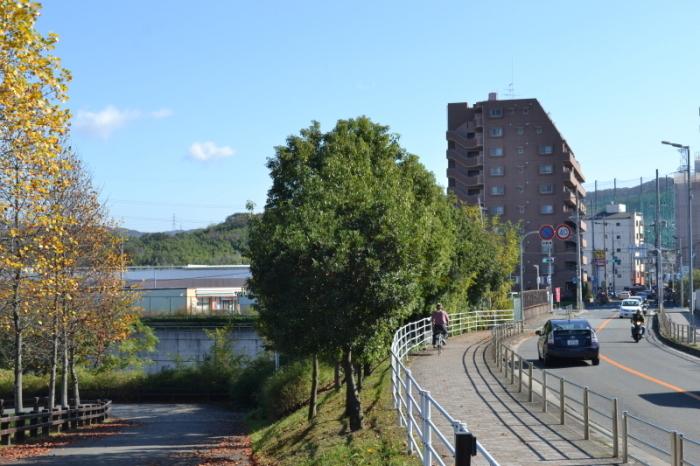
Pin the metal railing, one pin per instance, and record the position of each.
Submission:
(40, 422)
(681, 333)
(597, 414)
(418, 411)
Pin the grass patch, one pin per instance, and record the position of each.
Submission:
(327, 440)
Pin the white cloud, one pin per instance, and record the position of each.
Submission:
(162, 113)
(205, 151)
(104, 122)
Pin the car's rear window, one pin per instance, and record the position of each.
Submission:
(571, 326)
(630, 302)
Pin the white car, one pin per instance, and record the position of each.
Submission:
(623, 294)
(629, 307)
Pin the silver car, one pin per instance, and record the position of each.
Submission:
(629, 307)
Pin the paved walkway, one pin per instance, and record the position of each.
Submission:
(512, 430)
(162, 434)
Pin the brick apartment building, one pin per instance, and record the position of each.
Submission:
(508, 157)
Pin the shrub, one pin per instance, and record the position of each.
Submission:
(245, 389)
(286, 389)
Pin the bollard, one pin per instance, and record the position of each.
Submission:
(586, 414)
(562, 402)
(520, 374)
(465, 447)
(544, 391)
(529, 383)
(615, 433)
(409, 411)
(624, 437)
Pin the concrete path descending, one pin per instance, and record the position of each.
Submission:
(161, 434)
(512, 430)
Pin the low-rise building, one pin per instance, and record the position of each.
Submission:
(191, 290)
(617, 254)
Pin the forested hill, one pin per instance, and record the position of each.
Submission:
(214, 245)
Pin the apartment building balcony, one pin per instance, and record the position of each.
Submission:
(461, 159)
(474, 181)
(573, 181)
(463, 140)
(571, 162)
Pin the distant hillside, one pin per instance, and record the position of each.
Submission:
(643, 199)
(215, 245)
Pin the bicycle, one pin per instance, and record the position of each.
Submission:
(440, 342)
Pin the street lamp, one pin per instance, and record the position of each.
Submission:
(691, 300)
(537, 267)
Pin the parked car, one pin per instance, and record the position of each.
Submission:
(572, 339)
(629, 306)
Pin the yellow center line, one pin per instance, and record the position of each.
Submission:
(642, 375)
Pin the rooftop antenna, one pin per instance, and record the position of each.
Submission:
(510, 91)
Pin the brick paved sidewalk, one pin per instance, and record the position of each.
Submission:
(509, 427)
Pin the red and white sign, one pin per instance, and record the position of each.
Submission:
(563, 232)
(557, 294)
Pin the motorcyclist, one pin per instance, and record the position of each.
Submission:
(439, 319)
(638, 318)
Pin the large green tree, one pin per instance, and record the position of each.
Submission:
(354, 237)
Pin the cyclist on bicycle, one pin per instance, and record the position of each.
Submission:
(439, 319)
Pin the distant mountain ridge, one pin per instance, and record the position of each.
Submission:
(218, 244)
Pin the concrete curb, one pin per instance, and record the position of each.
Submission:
(668, 342)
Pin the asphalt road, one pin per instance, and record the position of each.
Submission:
(652, 381)
(161, 434)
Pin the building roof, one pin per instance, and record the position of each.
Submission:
(186, 283)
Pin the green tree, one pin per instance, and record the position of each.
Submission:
(353, 234)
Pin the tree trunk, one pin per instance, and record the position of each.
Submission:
(74, 377)
(358, 374)
(314, 387)
(54, 364)
(19, 405)
(367, 369)
(64, 371)
(336, 376)
(352, 399)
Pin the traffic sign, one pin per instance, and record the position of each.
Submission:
(563, 232)
(546, 232)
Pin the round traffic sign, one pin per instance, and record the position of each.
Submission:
(563, 232)
(546, 232)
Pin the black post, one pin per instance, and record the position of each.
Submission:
(465, 448)
(4, 438)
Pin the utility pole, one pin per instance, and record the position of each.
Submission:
(659, 257)
(680, 274)
(605, 250)
(612, 238)
(579, 285)
(593, 256)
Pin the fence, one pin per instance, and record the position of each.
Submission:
(40, 421)
(598, 415)
(423, 436)
(681, 333)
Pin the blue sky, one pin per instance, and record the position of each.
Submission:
(178, 104)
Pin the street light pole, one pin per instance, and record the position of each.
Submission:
(691, 298)
(579, 285)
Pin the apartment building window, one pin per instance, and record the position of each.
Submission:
(526, 110)
(473, 153)
(498, 190)
(496, 151)
(520, 188)
(451, 182)
(498, 210)
(496, 132)
(473, 191)
(546, 169)
(546, 209)
(450, 163)
(451, 144)
(547, 188)
(497, 171)
(496, 113)
(520, 150)
(519, 130)
(546, 149)
(538, 129)
(471, 135)
(521, 209)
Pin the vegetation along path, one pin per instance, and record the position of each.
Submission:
(172, 434)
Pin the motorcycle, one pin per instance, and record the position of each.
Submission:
(637, 331)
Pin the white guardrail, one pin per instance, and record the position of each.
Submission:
(598, 415)
(415, 405)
